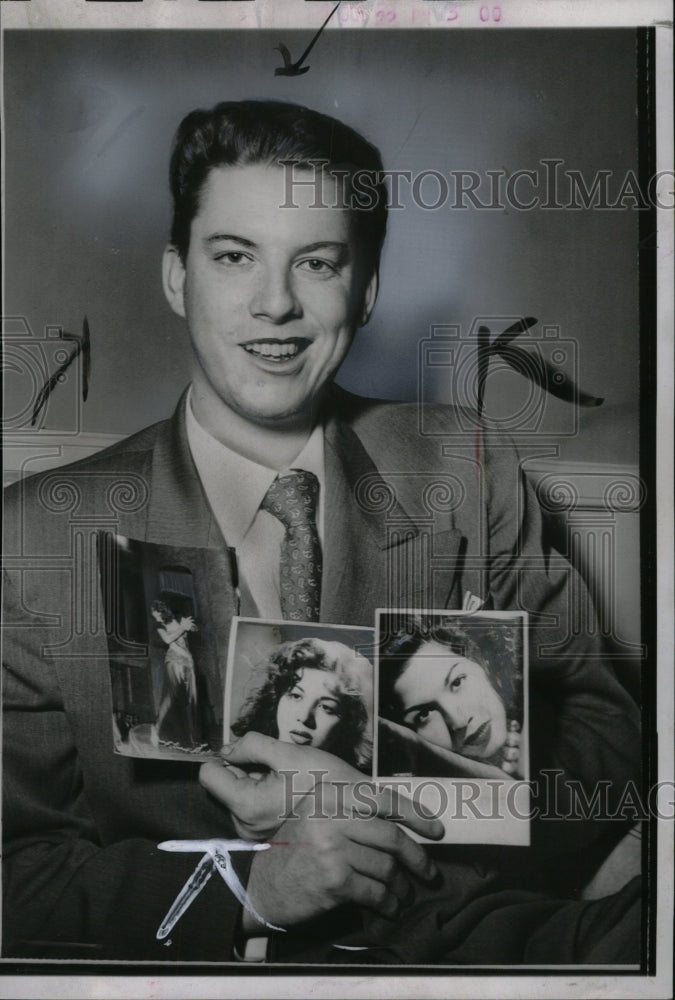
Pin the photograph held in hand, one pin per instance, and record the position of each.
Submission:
(452, 686)
(301, 684)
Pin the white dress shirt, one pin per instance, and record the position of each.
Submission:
(235, 487)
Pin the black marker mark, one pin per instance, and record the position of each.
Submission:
(528, 363)
(86, 359)
(291, 68)
(83, 347)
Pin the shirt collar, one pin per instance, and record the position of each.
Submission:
(235, 485)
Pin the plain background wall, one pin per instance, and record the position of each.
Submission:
(89, 122)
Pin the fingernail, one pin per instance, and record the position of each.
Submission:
(226, 749)
(438, 828)
(431, 872)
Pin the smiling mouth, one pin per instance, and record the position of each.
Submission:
(302, 739)
(277, 351)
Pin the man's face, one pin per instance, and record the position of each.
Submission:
(272, 296)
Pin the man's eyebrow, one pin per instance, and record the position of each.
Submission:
(326, 245)
(223, 237)
(341, 247)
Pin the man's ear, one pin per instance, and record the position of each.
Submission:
(369, 297)
(173, 279)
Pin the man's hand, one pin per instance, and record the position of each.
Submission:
(335, 848)
(258, 799)
(319, 859)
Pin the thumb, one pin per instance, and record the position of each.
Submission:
(254, 748)
(224, 783)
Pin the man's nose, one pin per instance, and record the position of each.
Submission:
(274, 298)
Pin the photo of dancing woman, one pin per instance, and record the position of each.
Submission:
(177, 722)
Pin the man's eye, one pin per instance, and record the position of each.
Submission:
(317, 266)
(232, 257)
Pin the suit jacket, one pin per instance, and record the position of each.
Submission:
(412, 519)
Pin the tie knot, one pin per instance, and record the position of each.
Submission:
(293, 498)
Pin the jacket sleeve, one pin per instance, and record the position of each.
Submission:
(584, 724)
(71, 890)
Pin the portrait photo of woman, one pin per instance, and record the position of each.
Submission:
(317, 693)
(450, 699)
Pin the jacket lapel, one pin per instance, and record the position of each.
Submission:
(179, 513)
(375, 553)
(180, 518)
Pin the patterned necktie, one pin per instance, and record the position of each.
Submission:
(293, 500)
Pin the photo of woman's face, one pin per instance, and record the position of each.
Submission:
(309, 712)
(449, 701)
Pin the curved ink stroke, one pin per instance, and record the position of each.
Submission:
(296, 68)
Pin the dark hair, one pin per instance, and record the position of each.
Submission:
(240, 133)
(172, 607)
(353, 690)
(468, 640)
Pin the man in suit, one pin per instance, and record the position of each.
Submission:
(272, 293)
